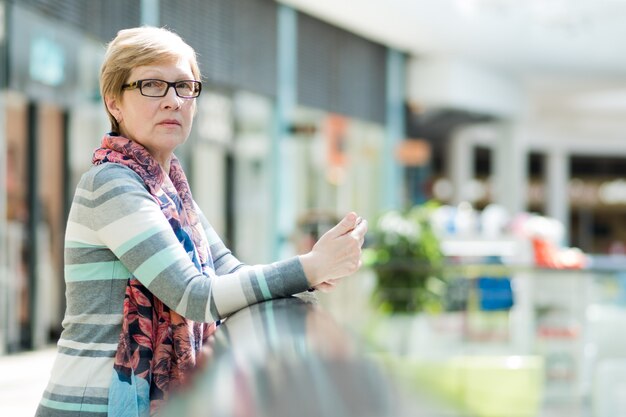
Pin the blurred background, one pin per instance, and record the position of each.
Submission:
(482, 139)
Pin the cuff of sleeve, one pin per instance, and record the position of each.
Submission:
(290, 278)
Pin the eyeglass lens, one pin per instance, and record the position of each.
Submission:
(158, 88)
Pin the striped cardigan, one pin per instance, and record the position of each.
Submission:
(115, 229)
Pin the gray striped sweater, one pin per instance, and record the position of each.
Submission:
(116, 230)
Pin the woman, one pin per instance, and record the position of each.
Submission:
(147, 277)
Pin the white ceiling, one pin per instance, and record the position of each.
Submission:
(551, 45)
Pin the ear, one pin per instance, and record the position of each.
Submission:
(112, 106)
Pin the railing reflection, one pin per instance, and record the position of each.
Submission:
(288, 357)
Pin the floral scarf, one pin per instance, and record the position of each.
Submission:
(157, 347)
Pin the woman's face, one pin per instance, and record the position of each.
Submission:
(160, 124)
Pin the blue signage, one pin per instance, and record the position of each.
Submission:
(47, 62)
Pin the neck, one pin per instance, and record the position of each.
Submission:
(164, 159)
(165, 166)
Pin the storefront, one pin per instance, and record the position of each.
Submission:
(586, 188)
(51, 74)
(299, 132)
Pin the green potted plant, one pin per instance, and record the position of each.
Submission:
(405, 253)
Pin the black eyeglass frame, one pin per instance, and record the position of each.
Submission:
(139, 84)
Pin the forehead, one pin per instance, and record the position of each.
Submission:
(174, 70)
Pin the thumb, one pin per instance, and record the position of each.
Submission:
(344, 226)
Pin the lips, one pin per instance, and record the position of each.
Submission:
(170, 122)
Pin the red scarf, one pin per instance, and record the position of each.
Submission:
(156, 343)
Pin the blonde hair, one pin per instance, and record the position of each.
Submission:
(135, 47)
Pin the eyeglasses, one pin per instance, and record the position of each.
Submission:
(159, 88)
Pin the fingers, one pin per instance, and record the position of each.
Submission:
(344, 226)
(360, 230)
(356, 239)
(326, 286)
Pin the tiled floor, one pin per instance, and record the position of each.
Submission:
(23, 378)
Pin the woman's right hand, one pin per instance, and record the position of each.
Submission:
(336, 254)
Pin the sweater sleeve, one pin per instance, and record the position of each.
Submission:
(224, 260)
(130, 223)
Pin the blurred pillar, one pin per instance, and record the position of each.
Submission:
(4, 279)
(150, 12)
(34, 216)
(557, 195)
(461, 166)
(283, 193)
(395, 128)
(4, 288)
(510, 174)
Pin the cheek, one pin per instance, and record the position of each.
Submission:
(192, 108)
(190, 114)
(145, 116)
(134, 111)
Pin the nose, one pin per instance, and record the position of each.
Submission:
(171, 100)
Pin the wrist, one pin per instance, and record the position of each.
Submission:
(309, 267)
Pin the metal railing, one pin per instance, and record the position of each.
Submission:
(288, 357)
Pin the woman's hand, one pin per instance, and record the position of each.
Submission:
(336, 254)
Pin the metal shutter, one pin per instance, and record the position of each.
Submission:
(339, 71)
(235, 39)
(100, 19)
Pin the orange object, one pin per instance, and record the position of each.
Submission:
(548, 255)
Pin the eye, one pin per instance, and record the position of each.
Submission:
(185, 85)
(156, 84)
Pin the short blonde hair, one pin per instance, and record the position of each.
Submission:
(136, 47)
